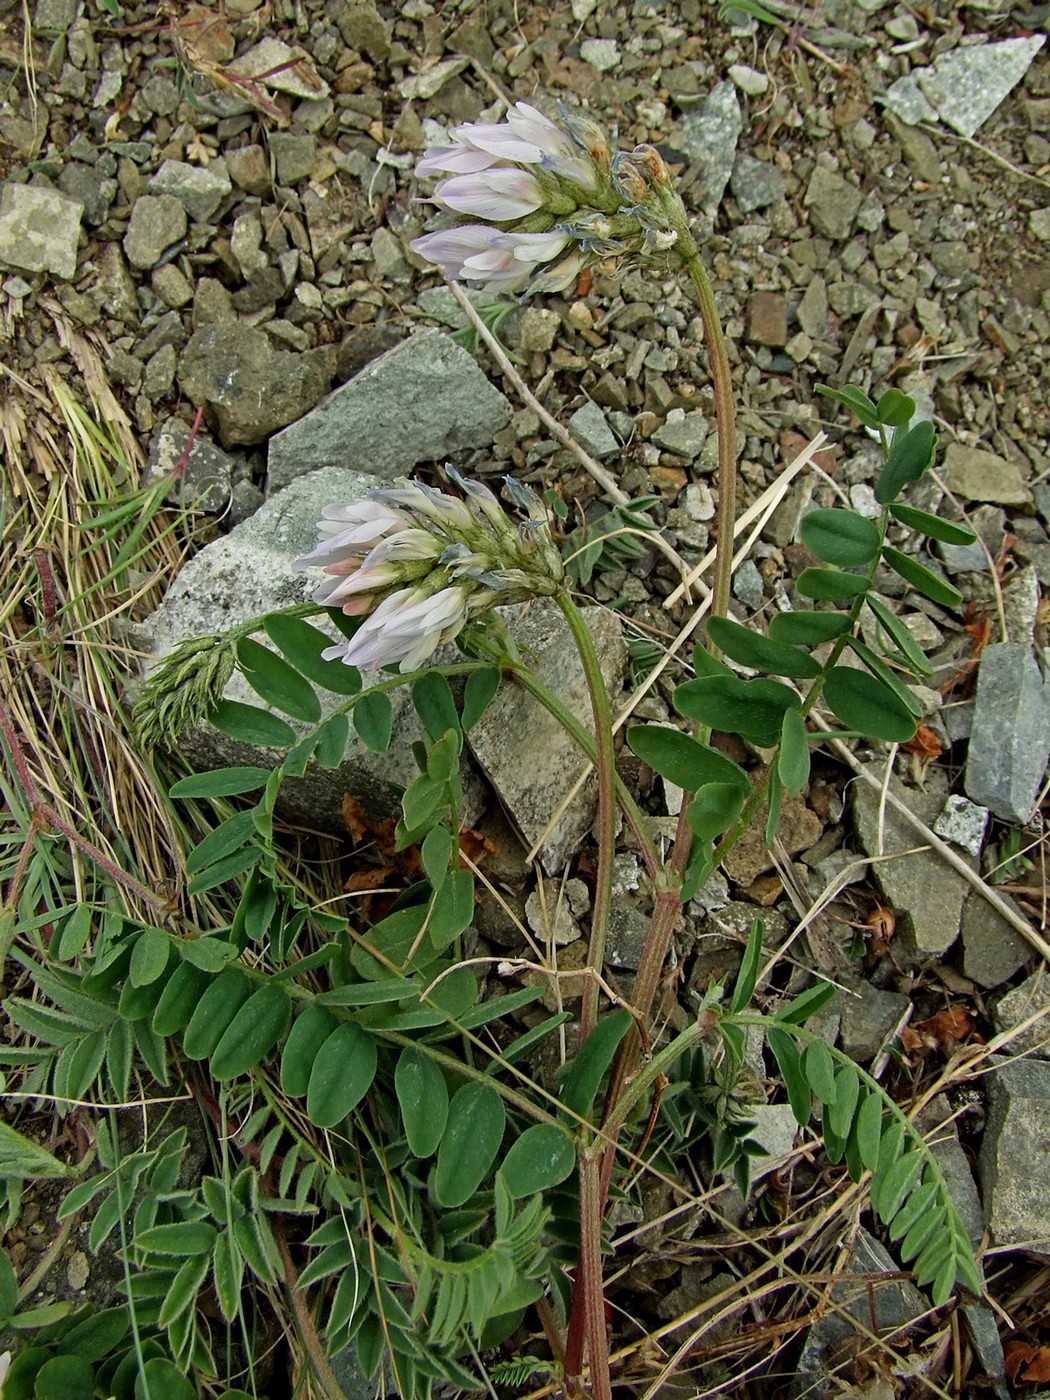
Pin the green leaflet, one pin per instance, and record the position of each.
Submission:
(472, 1137)
(423, 1099)
(342, 1074)
(302, 644)
(683, 760)
(866, 705)
(840, 537)
(542, 1157)
(279, 684)
(749, 648)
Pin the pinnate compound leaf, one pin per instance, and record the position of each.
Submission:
(891, 1189)
(855, 400)
(863, 703)
(342, 1074)
(921, 521)
(922, 579)
(149, 957)
(793, 758)
(749, 648)
(917, 1204)
(910, 454)
(683, 760)
(840, 537)
(806, 628)
(423, 1098)
(252, 725)
(472, 1137)
(754, 709)
(830, 585)
(279, 684)
(478, 694)
(302, 644)
(220, 782)
(592, 1060)
(542, 1157)
(374, 720)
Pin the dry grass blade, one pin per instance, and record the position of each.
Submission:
(82, 549)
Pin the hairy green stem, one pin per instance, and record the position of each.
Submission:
(605, 767)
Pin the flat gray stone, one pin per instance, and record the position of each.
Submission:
(963, 823)
(992, 949)
(525, 754)
(590, 428)
(755, 183)
(926, 894)
(157, 222)
(200, 189)
(966, 84)
(682, 433)
(1016, 1147)
(423, 401)
(983, 476)
(708, 138)
(205, 482)
(868, 1016)
(39, 230)
(1010, 738)
(249, 388)
(907, 101)
(1030, 999)
(251, 571)
(833, 203)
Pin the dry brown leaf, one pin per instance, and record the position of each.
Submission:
(926, 742)
(1026, 1363)
(941, 1032)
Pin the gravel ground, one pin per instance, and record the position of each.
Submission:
(184, 211)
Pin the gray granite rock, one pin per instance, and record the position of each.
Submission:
(86, 185)
(868, 1016)
(1030, 999)
(755, 183)
(39, 229)
(926, 894)
(889, 1308)
(708, 139)
(1014, 1183)
(424, 400)
(965, 85)
(963, 823)
(833, 203)
(200, 189)
(682, 433)
(992, 949)
(526, 755)
(205, 480)
(251, 571)
(590, 428)
(157, 222)
(977, 475)
(1010, 739)
(249, 388)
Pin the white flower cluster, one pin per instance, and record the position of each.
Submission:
(418, 565)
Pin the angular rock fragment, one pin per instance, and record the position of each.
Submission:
(1010, 739)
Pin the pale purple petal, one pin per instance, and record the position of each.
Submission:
(453, 160)
(450, 248)
(499, 193)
